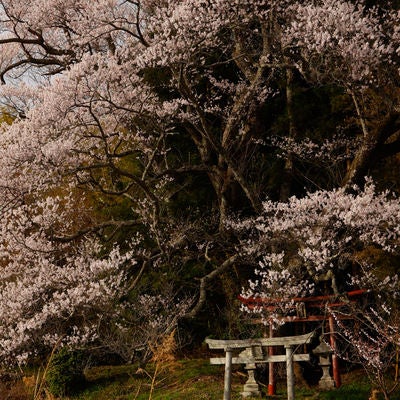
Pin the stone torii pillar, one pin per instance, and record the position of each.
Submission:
(289, 371)
(228, 374)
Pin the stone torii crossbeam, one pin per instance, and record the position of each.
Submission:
(252, 352)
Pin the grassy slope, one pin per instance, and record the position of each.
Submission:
(194, 380)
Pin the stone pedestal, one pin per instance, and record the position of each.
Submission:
(323, 351)
(251, 388)
(326, 382)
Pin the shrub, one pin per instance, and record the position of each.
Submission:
(65, 375)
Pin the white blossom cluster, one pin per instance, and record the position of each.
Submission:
(319, 238)
(373, 334)
(342, 40)
(47, 302)
(331, 151)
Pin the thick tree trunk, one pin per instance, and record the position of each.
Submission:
(286, 186)
(370, 150)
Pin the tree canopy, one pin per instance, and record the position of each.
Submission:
(156, 147)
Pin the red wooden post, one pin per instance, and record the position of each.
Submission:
(335, 360)
(271, 372)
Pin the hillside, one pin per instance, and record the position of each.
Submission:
(193, 379)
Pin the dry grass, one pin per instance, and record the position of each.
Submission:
(12, 387)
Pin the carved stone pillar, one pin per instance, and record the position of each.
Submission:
(323, 351)
(251, 388)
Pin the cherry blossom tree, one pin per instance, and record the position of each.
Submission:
(356, 48)
(317, 243)
(329, 243)
(371, 337)
(125, 110)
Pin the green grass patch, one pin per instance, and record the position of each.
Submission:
(198, 380)
(187, 379)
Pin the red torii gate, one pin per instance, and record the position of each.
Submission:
(313, 302)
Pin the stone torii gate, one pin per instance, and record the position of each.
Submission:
(255, 351)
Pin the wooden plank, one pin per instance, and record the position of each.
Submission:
(266, 359)
(263, 342)
(310, 318)
(312, 299)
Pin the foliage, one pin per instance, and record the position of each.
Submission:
(66, 373)
(141, 127)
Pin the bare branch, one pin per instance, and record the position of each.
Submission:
(205, 281)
